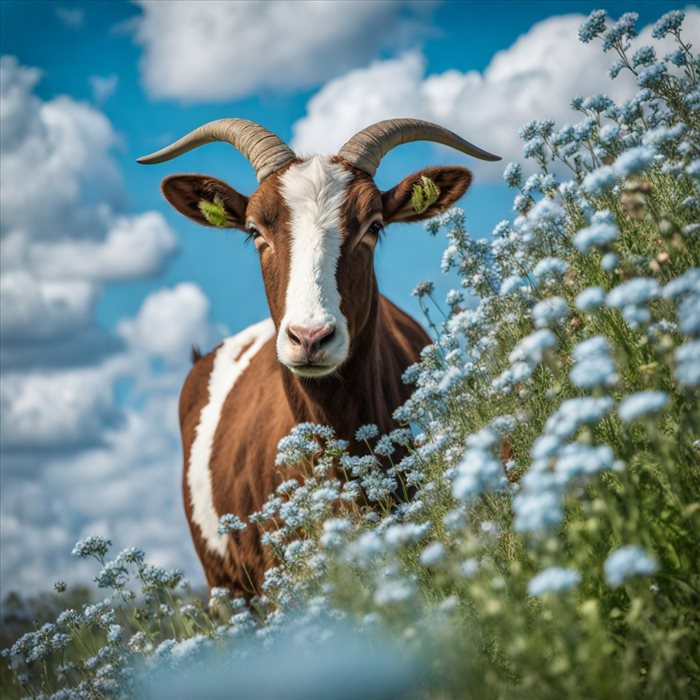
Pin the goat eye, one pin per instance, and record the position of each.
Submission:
(376, 228)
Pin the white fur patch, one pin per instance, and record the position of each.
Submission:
(225, 372)
(314, 191)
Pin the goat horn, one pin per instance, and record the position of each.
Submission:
(265, 151)
(366, 148)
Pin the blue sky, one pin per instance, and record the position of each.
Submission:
(105, 287)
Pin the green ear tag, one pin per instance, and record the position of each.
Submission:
(214, 213)
(425, 193)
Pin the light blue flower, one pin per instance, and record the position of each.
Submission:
(531, 347)
(592, 26)
(635, 292)
(599, 181)
(549, 311)
(433, 554)
(590, 299)
(627, 562)
(687, 357)
(93, 546)
(633, 161)
(554, 579)
(574, 413)
(230, 523)
(644, 56)
(478, 472)
(366, 432)
(513, 175)
(578, 459)
(550, 268)
(593, 365)
(670, 22)
(609, 262)
(595, 236)
(643, 403)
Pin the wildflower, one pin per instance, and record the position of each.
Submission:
(609, 262)
(635, 292)
(536, 509)
(93, 546)
(394, 591)
(590, 299)
(650, 76)
(615, 69)
(513, 175)
(577, 459)
(423, 289)
(687, 357)
(433, 554)
(595, 236)
(592, 26)
(113, 575)
(554, 579)
(479, 471)
(689, 315)
(624, 28)
(550, 267)
(626, 562)
(599, 181)
(593, 364)
(131, 555)
(60, 586)
(369, 431)
(531, 347)
(511, 284)
(550, 310)
(574, 413)
(230, 523)
(669, 23)
(643, 56)
(397, 536)
(641, 404)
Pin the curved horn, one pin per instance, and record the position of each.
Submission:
(366, 148)
(265, 151)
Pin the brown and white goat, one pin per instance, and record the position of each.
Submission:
(335, 348)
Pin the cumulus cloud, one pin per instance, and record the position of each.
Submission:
(72, 17)
(535, 77)
(133, 247)
(76, 459)
(103, 87)
(169, 322)
(215, 51)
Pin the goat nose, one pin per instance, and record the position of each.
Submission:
(311, 339)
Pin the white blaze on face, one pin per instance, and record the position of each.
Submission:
(314, 191)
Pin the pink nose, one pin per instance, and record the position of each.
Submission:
(310, 340)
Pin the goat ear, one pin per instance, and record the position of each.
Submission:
(425, 193)
(206, 200)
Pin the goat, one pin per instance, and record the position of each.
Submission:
(334, 349)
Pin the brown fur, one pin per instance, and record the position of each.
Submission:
(268, 399)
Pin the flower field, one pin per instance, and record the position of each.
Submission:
(536, 534)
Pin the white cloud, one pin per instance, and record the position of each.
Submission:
(536, 77)
(36, 309)
(75, 459)
(215, 51)
(169, 322)
(56, 409)
(103, 87)
(73, 17)
(133, 247)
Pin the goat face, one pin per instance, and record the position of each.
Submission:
(315, 224)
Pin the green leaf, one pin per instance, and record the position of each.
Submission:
(425, 193)
(214, 213)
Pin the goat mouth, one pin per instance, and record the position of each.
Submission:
(312, 370)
